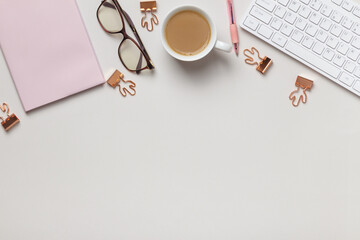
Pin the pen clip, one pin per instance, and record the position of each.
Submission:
(231, 11)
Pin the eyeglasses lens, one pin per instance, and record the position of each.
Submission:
(132, 56)
(109, 17)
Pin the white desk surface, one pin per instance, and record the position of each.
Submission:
(205, 150)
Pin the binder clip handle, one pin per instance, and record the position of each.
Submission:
(304, 84)
(115, 81)
(302, 98)
(154, 21)
(4, 108)
(149, 6)
(250, 60)
(264, 63)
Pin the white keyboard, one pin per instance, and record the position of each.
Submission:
(322, 34)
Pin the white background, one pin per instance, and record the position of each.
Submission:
(205, 150)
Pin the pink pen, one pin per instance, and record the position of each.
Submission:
(233, 26)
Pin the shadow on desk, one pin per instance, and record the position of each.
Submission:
(213, 61)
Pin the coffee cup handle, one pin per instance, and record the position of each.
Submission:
(223, 46)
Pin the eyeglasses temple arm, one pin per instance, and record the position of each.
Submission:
(106, 4)
(132, 26)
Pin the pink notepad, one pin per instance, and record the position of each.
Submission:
(47, 49)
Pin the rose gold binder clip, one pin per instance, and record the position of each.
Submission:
(11, 119)
(263, 65)
(303, 83)
(117, 79)
(145, 7)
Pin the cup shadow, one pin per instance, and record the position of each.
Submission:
(207, 64)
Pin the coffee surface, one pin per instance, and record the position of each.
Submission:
(188, 32)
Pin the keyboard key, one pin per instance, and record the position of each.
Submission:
(321, 36)
(251, 23)
(276, 24)
(304, 12)
(356, 28)
(356, 42)
(283, 2)
(326, 24)
(336, 16)
(294, 6)
(343, 48)
(300, 24)
(347, 79)
(266, 4)
(280, 11)
(332, 42)
(315, 18)
(326, 11)
(337, 2)
(297, 36)
(316, 4)
(356, 11)
(311, 30)
(353, 54)
(290, 17)
(346, 36)
(328, 54)
(305, 1)
(347, 23)
(260, 14)
(348, 6)
(313, 59)
(308, 42)
(265, 31)
(286, 30)
(318, 48)
(357, 72)
(357, 86)
(336, 30)
(349, 66)
(339, 60)
(279, 39)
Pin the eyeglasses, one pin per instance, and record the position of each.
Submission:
(132, 54)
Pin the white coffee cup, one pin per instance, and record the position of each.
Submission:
(213, 43)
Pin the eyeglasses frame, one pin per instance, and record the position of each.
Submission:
(139, 44)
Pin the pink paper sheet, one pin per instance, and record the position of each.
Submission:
(47, 49)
